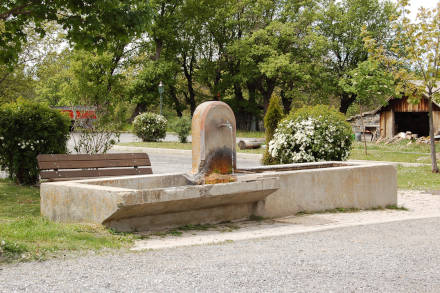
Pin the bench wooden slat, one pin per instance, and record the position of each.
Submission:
(93, 173)
(93, 164)
(59, 166)
(87, 157)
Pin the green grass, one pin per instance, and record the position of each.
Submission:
(25, 235)
(398, 152)
(420, 178)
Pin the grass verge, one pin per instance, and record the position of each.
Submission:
(419, 178)
(352, 210)
(397, 152)
(25, 235)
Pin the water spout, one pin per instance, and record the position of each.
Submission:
(226, 124)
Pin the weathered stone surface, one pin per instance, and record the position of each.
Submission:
(352, 185)
(213, 139)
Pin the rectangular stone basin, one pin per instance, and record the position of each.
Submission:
(150, 202)
(153, 201)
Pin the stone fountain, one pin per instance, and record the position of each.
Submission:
(216, 190)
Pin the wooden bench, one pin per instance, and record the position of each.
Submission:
(68, 167)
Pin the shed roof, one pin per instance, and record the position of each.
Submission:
(381, 108)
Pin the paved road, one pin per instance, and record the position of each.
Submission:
(394, 257)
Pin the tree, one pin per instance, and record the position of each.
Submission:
(341, 23)
(273, 116)
(414, 58)
(88, 23)
(371, 85)
(20, 80)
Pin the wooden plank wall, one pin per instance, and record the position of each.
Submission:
(383, 125)
(402, 105)
(436, 118)
(387, 126)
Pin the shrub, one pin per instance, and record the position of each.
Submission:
(95, 138)
(183, 128)
(150, 126)
(26, 130)
(273, 116)
(312, 134)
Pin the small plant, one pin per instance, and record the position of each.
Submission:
(26, 130)
(10, 250)
(150, 126)
(183, 128)
(312, 134)
(395, 207)
(273, 116)
(198, 227)
(96, 138)
(256, 218)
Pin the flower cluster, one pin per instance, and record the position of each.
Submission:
(311, 139)
(31, 145)
(150, 126)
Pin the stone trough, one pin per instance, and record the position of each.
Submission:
(134, 203)
(150, 202)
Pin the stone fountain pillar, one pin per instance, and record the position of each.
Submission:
(213, 139)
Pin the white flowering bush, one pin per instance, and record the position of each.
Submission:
(27, 130)
(150, 126)
(312, 134)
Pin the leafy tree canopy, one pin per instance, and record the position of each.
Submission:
(88, 23)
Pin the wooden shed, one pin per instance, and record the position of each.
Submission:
(400, 116)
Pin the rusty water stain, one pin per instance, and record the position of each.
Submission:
(218, 161)
(214, 178)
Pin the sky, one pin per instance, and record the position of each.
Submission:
(415, 4)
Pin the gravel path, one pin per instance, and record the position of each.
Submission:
(394, 257)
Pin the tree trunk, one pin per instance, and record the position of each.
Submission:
(242, 114)
(188, 72)
(286, 102)
(177, 106)
(267, 92)
(363, 129)
(140, 107)
(346, 101)
(431, 136)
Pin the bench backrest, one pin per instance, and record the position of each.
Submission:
(59, 166)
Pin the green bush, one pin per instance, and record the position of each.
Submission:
(150, 126)
(26, 130)
(312, 134)
(183, 127)
(273, 116)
